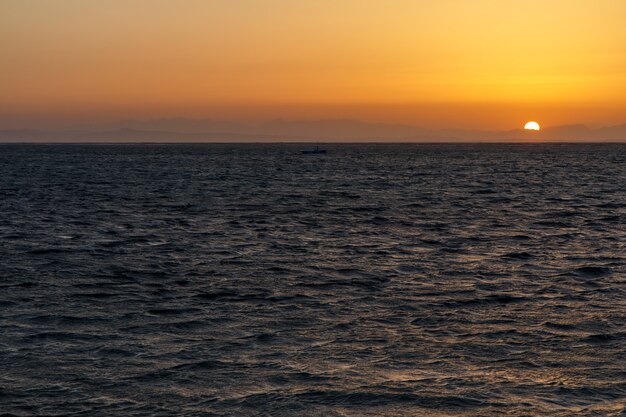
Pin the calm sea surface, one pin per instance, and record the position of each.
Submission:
(251, 280)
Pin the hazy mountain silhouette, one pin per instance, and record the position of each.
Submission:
(178, 124)
(340, 130)
(613, 133)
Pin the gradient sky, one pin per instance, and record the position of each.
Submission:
(491, 64)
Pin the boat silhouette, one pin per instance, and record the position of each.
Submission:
(317, 150)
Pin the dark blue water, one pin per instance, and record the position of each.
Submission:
(377, 280)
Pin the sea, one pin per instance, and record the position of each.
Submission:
(253, 280)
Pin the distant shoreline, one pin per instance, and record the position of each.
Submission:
(520, 142)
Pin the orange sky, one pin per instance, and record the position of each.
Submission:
(491, 64)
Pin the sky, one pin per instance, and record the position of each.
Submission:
(481, 64)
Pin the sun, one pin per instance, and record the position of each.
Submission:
(532, 126)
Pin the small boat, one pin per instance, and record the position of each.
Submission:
(317, 150)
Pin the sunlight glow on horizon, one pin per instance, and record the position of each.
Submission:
(457, 63)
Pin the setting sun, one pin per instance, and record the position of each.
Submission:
(532, 126)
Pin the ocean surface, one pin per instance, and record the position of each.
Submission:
(252, 280)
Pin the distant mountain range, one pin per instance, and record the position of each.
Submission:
(339, 130)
